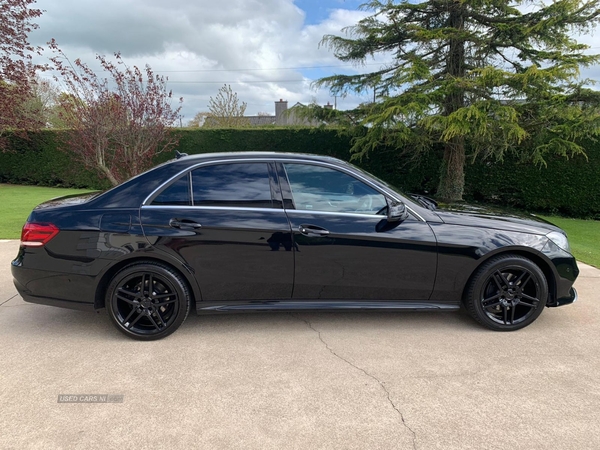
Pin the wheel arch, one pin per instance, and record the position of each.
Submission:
(102, 285)
(537, 258)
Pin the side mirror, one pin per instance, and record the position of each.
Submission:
(396, 211)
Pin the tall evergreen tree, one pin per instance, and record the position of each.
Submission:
(489, 76)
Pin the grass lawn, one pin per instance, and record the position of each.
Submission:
(16, 202)
(584, 237)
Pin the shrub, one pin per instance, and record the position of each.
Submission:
(570, 187)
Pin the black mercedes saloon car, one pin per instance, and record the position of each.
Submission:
(275, 231)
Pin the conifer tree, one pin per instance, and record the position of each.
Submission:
(476, 77)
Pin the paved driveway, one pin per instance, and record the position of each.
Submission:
(302, 381)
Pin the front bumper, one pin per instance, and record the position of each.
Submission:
(572, 297)
(565, 273)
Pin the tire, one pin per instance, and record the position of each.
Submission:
(507, 293)
(145, 314)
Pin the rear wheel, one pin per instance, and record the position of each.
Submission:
(147, 301)
(507, 293)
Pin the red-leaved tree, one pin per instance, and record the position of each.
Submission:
(17, 71)
(118, 120)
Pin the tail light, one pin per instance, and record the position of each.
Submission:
(37, 234)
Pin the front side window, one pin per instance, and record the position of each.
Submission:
(319, 188)
(236, 184)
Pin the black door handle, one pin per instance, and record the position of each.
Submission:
(313, 231)
(184, 224)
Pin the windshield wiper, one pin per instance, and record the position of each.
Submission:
(427, 202)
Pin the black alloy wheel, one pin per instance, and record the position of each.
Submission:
(507, 293)
(147, 301)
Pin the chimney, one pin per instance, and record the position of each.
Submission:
(280, 108)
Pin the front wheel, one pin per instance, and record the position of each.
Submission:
(147, 301)
(507, 293)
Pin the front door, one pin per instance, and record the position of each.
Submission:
(345, 248)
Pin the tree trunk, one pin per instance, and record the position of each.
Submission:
(452, 176)
(108, 175)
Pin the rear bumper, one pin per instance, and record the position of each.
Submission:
(45, 287)
(50, 301)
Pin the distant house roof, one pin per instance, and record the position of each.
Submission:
(258, 121)
(283, 116)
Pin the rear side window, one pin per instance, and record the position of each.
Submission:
(177, 193)
(237, 184)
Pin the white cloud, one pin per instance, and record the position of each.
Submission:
(200, 45)
(248, 43)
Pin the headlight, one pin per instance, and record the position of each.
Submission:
(560, 240)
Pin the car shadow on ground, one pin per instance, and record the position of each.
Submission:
(56, 323)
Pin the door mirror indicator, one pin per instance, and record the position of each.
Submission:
(396, 211)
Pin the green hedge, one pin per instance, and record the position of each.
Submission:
(570, 187)
(37, 159)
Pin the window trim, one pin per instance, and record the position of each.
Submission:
(213, 208)
(188, 171)
(385, 191)
(239, 208)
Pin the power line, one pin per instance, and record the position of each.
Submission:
(238, 81)
(273, 68)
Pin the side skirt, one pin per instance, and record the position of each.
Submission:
(306, 305)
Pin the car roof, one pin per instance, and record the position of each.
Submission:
(257, 155)
(132, 192)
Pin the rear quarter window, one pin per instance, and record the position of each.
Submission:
(177, 193)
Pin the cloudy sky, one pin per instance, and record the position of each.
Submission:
(266, 49)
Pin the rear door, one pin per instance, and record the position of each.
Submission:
(345, 247)
(226, 222)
